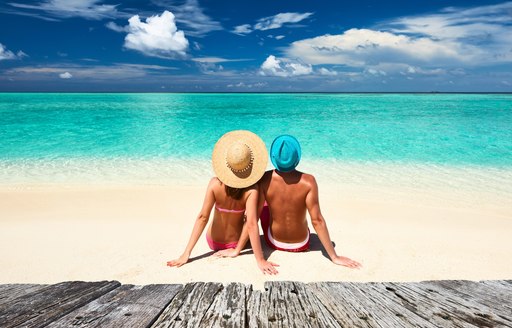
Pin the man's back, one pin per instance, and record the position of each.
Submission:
(285, 193)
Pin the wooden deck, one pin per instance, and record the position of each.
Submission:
(281, 304)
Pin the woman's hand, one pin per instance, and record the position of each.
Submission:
(178, 262)
(268, 267)
(230, 252)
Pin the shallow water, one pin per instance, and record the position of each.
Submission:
(345, 138)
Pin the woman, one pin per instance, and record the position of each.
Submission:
(239, 160)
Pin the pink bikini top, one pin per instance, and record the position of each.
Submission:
(223, 210)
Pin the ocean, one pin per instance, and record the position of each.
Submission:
(409, 139)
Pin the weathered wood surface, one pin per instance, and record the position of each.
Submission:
(40, 307)
(189, 306)
(12, 291)
(486, 299)
(126, 306)
(370, 305)
(444, 307)
(281, 304)
(292, 304)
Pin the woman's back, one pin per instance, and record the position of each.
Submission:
(229, 211)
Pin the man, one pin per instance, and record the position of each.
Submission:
(288, 193)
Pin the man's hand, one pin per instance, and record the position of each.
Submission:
(230, 252)
(267, 267)
(345, 261)
(178, 262)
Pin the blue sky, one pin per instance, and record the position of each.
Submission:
(255, 46)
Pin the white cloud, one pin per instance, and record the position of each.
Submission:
(376, 72)
(271, 22)
(157, 37)
(65, 75)
(192, 16)
(279, 20)
(243, 85)
(361, 47)
(7, 54)
(88, 9)
(283, 67)
(243, 29)
(452, 38)
(326, 72)
(215, 60)
(116, 72)
(486, 29)
(117, 28)
(422, 71)
(455, 23)
(210, 67)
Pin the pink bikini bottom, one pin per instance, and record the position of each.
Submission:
(215, 246)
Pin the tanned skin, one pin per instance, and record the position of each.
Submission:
(228, 227)
(289, 196)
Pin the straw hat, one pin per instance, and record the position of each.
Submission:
(239, 158)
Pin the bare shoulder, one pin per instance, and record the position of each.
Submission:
(253, 188)
(265, 179)
(214, 183)
(308, 180)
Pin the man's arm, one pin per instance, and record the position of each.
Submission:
(320, 226)
(262, 186)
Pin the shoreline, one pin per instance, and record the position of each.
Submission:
(127, 233)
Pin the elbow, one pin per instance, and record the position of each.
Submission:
(252, 223)
(202, 219)
(318, 222)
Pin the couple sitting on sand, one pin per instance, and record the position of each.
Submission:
(242, 190)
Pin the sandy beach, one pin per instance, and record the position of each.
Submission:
(52, 233)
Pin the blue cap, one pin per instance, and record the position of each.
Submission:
(285, 153)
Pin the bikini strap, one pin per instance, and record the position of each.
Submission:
(220, 209)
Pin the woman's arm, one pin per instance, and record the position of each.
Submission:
(252, 228)
(199, 225)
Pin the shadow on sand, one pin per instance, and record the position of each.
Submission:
(315, 245)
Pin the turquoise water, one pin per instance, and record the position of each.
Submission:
(460, 129)
(414, 140)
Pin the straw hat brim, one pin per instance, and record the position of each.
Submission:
(259, 154)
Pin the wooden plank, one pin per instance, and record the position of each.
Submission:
(492, 298)
(228, 308)
(443, 307)
(347, 312)
(126, 306)
(12, 291)
(358, 305)
(43, 306)
(292, 305)
(257, 309)
(189, 306)
(501, 285)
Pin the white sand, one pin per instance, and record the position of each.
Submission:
(50, 234)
